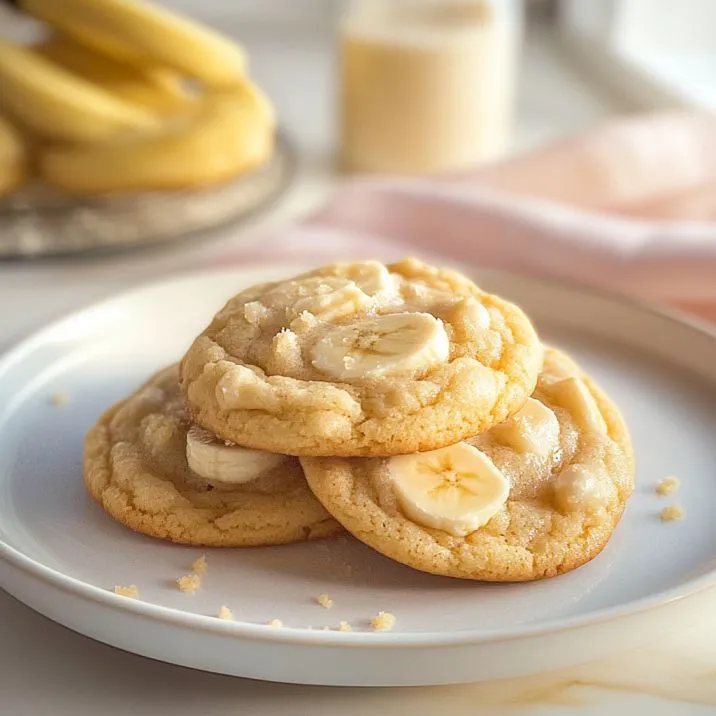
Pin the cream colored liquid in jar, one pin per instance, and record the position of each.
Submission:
(426, 86)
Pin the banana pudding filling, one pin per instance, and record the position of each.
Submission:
(361, 359)
(534, 496)
(154, 471)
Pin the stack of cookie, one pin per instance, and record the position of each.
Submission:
(400, 403)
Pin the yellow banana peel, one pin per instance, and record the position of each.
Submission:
(141, 32)
(58, 105)
(157, 88)
(13, 158)
(226, 134)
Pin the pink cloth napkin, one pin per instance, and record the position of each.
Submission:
(630, 206)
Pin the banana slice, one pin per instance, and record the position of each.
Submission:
(371, 276)
(574, 395)
(332, 298)
(382, 345)
(456, 489)
(215, 461)
(558, 366)
(534, 428)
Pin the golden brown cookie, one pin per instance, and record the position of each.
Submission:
(361, 359)
(536, 496)
(136, 467)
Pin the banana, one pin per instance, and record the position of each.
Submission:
(216, 461)
(59, 105)
(382, 345)
(532, 429)
(370, 276)
(143, 33)
(13, 158)
(157, 88)
(456, 489)
(573, 394)
(330, 298)
(225, 135)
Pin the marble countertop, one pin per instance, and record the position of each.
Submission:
(47, 669)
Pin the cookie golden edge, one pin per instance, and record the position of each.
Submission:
(315, 470)
(97, 475)
(429, 428)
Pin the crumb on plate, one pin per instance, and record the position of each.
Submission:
(325, 601)
(225, 613)
(199, 565)
(672, 513)
(668, 486)
(344, 626)
(130, 591)
(189, 583)
(384, 621)
(275, 623)
(59, 399)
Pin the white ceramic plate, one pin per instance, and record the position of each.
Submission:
(61, 555)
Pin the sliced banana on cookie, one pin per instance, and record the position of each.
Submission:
(332, 298)
(456, 489)
(382, 345)
(534, 428)
(214, 460)
(573, 394)
(371, 276)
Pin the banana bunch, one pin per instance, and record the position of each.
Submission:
(13, 158)
(123, 95)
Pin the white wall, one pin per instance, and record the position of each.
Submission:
(590, 18)
(666, 25)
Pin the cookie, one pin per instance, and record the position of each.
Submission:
(135, 466)
(361, 359)
(534, 497)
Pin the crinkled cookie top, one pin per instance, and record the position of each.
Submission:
(361, 359)
(535, 496)
(136, 467)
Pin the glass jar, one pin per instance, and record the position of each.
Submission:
(427, 86)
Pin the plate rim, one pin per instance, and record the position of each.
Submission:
(306, 637)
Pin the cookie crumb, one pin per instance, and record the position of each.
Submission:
(325, 601)
(225, 613)
(189, 583)
(668, 486)
(130, 591)
(199, 565)
(344, 626)
(275, 623)
(384, 621)
(59, 399)
(672, 513)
